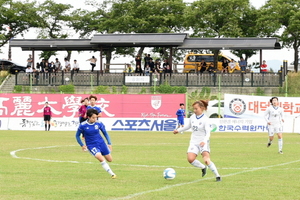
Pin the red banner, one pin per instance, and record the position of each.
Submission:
(112, 105)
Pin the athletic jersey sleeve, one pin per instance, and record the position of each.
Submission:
(207, 131)
(104, 132)
(78, 137)
(177, 113)
(187, 127)
(267, 115)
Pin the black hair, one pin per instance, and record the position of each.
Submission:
(91, 111)
(272, 99)
(182, 104)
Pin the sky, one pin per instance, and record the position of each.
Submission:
(274, 58)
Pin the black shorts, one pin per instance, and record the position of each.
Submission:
(47, 118)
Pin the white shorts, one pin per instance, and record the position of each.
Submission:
(196, 148)
(275, 129)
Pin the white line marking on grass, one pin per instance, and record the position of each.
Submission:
(196, 181)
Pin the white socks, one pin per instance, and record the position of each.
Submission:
(107, 168)
(280, 141)
(213, 168)
(197, 163)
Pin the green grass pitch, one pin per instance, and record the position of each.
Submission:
(38, 165)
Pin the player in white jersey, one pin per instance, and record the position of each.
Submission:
(199, 142)
(274, 118)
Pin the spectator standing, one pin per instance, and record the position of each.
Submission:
(29, 61)
(243, 64)
(138, 60)
(93, 62)
(151, 65)
(202, 66)
(263, 67)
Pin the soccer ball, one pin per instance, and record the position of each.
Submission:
(169, 174)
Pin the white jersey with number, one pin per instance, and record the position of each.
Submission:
(200, 129)
(274, 115)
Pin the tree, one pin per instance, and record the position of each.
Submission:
(55, 17)
(247, 23)
(216, 19)
(132, 16)
(281, 18)
(16, 18)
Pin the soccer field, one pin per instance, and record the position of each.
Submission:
(50, 165)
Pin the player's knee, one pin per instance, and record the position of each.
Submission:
(190, 160)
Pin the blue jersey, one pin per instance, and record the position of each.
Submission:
(180, 113)
(91, 133)
(94, 107)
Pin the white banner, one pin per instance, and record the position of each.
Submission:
(253, 107)
(137, 79)
(149, 124)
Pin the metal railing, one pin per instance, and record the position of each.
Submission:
(174, 79)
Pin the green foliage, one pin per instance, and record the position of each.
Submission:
(18, 89)
(124, 89)
(293, 85)
(67, 89)
(114, 90)
(143, 91)
(260, 91)
(101, 90)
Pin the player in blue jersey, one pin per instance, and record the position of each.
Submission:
(180, 115)
(93, 100)
(94, 141)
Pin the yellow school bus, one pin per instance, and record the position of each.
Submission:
(192, 62)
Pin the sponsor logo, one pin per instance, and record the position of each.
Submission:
(237, 106)
(156, 102)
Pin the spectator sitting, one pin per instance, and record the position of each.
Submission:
(225, 65)
(28, 70)
(147, 70)
(75, 66)
(231, 66)
(168, 69)
(138, 69)
(202, 66)
(211, 69)
(128, 68)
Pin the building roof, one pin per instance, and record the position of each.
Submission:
(54, 44)
(179, 40)
(230, 43)
(140, 39)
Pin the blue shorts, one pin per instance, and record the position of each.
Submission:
(180, 121)
(98, 148)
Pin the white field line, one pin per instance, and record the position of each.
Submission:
(196, 181)
(13, 154)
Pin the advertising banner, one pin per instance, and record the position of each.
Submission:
(145, 124)
(112, 105)
(254, 107)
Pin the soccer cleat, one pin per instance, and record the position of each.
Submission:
(269, 144)
(114, 176)
(218, 179)
(280, 152)
(204, 171)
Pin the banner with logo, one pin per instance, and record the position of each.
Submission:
(112, 105)
(254, 107)
(145, 124)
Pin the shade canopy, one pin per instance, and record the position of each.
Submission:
(179, 40)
